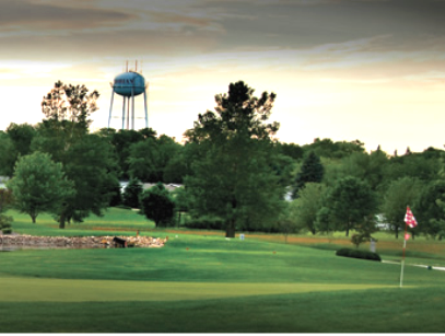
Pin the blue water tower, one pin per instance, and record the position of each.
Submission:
(129, 85)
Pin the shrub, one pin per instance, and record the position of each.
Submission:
(158, 205)
(353, 253)
(132, 193)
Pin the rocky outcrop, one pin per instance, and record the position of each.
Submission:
(89, 241)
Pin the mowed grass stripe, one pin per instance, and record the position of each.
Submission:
(61, 290)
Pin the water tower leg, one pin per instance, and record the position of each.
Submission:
(111, 108)
(145, 108)
(128, 113)
(132, 109)
(123, 113)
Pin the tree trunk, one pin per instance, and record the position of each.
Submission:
(230, 229)
(62, 220)
(33, 217)
(397, 232)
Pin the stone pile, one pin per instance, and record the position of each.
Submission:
(90, 241)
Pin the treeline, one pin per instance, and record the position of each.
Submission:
(235, 175)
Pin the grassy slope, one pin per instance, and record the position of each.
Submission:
(209, 284)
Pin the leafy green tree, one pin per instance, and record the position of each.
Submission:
(122, 142)
(364, 231)
(158, 205)
(149, 158)
(324, 222)
(5, 203)
(335, 150)
(87, 159)
(424, 167)
(180, 165)
(307, 205)
(39, 185)
(350, 202)
(7, 155)
(132, 193)
(311, 171)
(429, 210)
(367, 167)
(291, 150)
(116, 195)
(233, 179)
(181, 200)
(400, 194)
(287, 222)
(21, 137)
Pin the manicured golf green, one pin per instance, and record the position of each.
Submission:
(57, 290)
(205, 283)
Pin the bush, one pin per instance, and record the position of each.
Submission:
(353, 253)
(132, 193)
(158, 205)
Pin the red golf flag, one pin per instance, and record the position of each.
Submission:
(409, 218)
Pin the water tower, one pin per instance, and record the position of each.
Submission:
(129, 85)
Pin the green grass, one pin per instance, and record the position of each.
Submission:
(204, 283)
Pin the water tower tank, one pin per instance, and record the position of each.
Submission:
(129, 84)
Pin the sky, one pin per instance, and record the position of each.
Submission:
(372, 70)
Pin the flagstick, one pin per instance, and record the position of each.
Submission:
(403, 258)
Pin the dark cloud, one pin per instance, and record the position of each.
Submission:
(217, 26)
(302, 24)
(27, 14)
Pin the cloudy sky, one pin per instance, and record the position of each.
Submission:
(372, 70)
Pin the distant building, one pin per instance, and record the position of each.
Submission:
(3, 180)
(169, 187)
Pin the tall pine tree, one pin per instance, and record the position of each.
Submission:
(311, 171)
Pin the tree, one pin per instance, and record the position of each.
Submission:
(158, 205)
(311, 171)
(116, 195)
(5, 203)
(149, 158)
(400, 193)
(87, 159)
(335, 150)
(70, 102)
(367, 167)
(39, 185)
(287, 221)
(429, 210)
(233, 178)
(122, 142)
(364, 231)
(350, 202)
(132, 193)
(7, 155)
(307, 205)
(181, 201)
(324, 222)
(21, 137)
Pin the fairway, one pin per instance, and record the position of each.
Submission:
(57, 290)
(201, 282)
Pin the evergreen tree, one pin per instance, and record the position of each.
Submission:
(311, 171)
